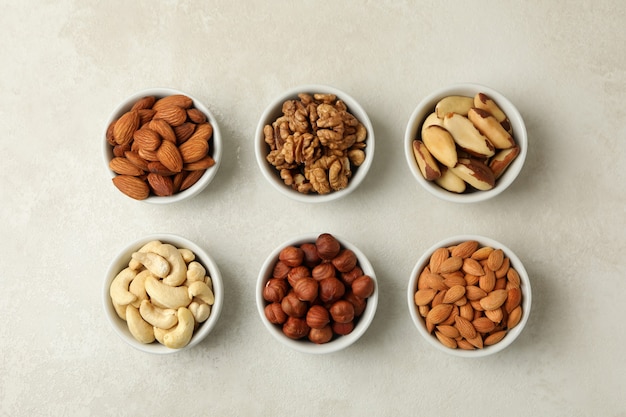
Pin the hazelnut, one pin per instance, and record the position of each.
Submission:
(327, 246)
(331, 289)
(342, 311)
(295, 328)
(275, 314)
(311, 257)
(281, 270)
(323, 270)
(274, 290)
(305, 289)
(323, 335)
(348, 277)
(291, 256)
(345, 261)
(292, 306)
(358, 303)
(296, 273)
(317, 317)
(342, 329)
(363, 286)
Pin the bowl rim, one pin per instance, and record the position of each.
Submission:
(511, 335)
(304, 345)
(122, 258)
(428, 104)
(217, 147)
(272, 110)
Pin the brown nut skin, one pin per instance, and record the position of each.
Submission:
(345, 261)
(296, 273)
(350, 276)
(280, 270)
(342, 311)
(292, 256)
(295, 328)
(317, 317)
(320, 336)
(293, 306)
(275, 314)
(331, 289)
(324, 270)
(311, 257)
(358, 303)
(306, 289)
(275, 289)
(327, 246)
(343, 329)
(363, 286)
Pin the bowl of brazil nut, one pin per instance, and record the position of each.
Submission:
(161, 146)
(465, 143)
(469, 296)
(317, 293)
(314, 143)
(162, 294)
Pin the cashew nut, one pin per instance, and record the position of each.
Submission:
(202, 291)
(209, 282)
(178, 269)
(120, 310)
(119, 287)
(181, 334)
(195, 272)
(145, 248)
(138, 287)
(153, 262)
(163, 295)
(159, 334)
(139, 328)
(158, 317)
(200, 310)
(187, 254)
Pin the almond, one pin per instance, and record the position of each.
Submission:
(445, 340)
(501, 284)
(482, 253)
(119, 150)
(439, 313)
(465, 327)
(438, 299)
(465, 249)
(424, 297)
(474, 293)
(513, 277)
(494, 338)
(487, 282)
(495, 259)
(203, 131)
(514, 317)
(202, 164)
(136, 160)
(125, 126)
(190, 178)
(453, 314)
(160, 185)
(472, 267)
(123, 166)
(157, 167)
(483, 325)
(170, 156)
(504, 269)
(513, 299)
(454, 294)
(454, 278)
(465, 345)
(466, 311)
(149, 156)
(193, 150)
(134, 187)
(496, 315)
(109, 134)
(146, 138)
(196, 116)
(434, 281)
(145, 115)
(184, 132)
(173, 115)
(144, 103)
(163, 129)
(476, 341)
(494, 299)
(449, 331)
(437, 258)
(453, 263)
(179, 100)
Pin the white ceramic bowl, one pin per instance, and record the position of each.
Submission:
(427, 106)
(274, 110)
(304, 345)
(121, 261)
(511, 335)
(215, 144)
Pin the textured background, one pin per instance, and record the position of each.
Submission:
(67, 64)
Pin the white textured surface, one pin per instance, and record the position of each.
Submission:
(66, 64)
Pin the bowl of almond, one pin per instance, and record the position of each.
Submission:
(314, 143)
(469, 296)
(317, 293)
(465, 143)
(161, 146)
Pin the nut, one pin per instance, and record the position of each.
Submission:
(317, 317)
(342, 311)
(291, 256)
(321, 335)
(331, 289)
(491, 128)
(345, 260)
(275, 314)
(453, 104)
(306, 289)
(440, 144)
(425, 162)
(327, 246)
(467, 136)
(363, 286)
(275, 290)
(295, 328)
(475, 173)
(293, 306)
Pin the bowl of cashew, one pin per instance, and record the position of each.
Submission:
(314, 143)
(162, 294)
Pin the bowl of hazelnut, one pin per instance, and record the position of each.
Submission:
(314, 143)
(162, 294)
(465, 143)
(317, 293)
(161, 146)
(469, 296)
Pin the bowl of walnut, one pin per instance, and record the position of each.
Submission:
(465, 143)
(317, 293)
(162, 294)
(314, 143)
(161, 146)
(469, 296)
